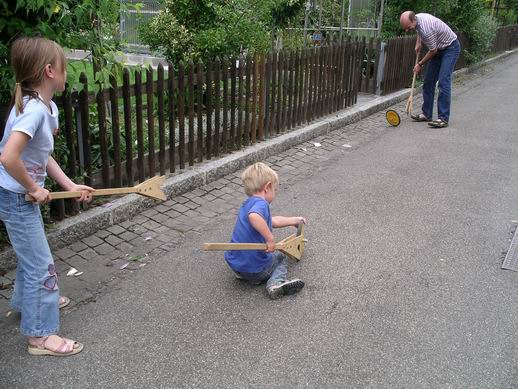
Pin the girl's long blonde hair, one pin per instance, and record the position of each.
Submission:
(29, 56)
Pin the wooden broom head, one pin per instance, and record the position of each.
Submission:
(293, 245)
(151, 188)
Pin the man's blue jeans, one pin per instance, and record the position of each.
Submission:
(274, 275)
(36, 293)
(440, 68)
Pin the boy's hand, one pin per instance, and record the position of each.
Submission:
(298, 220)
(270, 246)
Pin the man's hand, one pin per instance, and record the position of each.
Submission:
(40, 195)
(417, 68)
(417, 49)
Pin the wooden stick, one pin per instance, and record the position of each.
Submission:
(410, 102)
(149, 188)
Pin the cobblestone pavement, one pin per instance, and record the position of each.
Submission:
(114, 253)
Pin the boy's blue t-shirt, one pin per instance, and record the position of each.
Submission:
(250, 261)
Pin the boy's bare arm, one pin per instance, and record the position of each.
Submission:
(285, 221)
(260, 226)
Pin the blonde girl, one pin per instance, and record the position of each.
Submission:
(39, 67)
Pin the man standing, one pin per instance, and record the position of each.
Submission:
(443, 51)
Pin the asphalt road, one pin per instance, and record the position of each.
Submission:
(402, 270)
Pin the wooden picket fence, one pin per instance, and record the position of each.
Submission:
(171, 118)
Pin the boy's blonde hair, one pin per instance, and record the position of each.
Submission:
(258, 175)
(29, 56)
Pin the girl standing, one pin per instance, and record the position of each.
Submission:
(39, 67)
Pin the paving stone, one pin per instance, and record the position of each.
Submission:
(10, 274)
(191, 205)
(5, 283)
(117, 229)
(162, 208)
(127, 224)
(138, 228)
(65, 253)
(114, 240)
(6, 293)
(180, 208)
(124, 248)
(168, 203)
(88, 253)
(78, 246)
(106, 248)
(152, 225)
(140, 219)
(128, 235)
(160, 217)
(92, 241)
(181, 199)
(172, 213)
(103, 233)
(149, 212)
(61, 267)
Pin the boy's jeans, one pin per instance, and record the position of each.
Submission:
(440, 68)
(274, 275)
(36, 293)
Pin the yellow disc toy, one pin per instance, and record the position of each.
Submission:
(393, 118)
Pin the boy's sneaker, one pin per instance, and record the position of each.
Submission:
(286, 287)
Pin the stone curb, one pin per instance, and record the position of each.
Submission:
(117, 211)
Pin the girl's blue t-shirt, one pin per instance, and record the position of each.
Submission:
(250, 261)
(39, 124)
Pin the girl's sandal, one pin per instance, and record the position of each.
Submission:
(66, 348)
(439, 123)
(419, 118)
(63, 302)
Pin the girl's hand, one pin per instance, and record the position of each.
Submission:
(86, 196)
(41, 195)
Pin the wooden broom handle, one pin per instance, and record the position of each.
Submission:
(98, 192)
(238, 246)
(409, 104)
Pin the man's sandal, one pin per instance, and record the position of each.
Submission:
(419, 118)
(63, 302)
(439, 123)
(66, 348)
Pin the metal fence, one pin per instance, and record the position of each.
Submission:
(131, 18)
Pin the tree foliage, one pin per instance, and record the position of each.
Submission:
(81, 24)
(193, 30)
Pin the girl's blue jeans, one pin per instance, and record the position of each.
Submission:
(36, 293)
(274, 275)
(440, 68)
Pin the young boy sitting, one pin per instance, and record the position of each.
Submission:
(254, 225)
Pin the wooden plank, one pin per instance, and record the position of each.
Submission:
(114, 105)
(285, 85)
(224, 133)
(190, 86)
(128, 134)
(291, 90)
(239, 133)
(233, 104)
(69, 136)
(140, 131)
(101, 115)
(280, 87)
(161, 119)
(171, 93)
(85, 129)
(300, 86)
(208, 109)
(376, 66)
(253, 113)
(272, 123)
(181, 114)
(150, 122)
(306, 86)
(217, 107)
(199, 110)
(262, 97)
(248, 91)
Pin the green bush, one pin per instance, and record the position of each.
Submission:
(481, 35)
